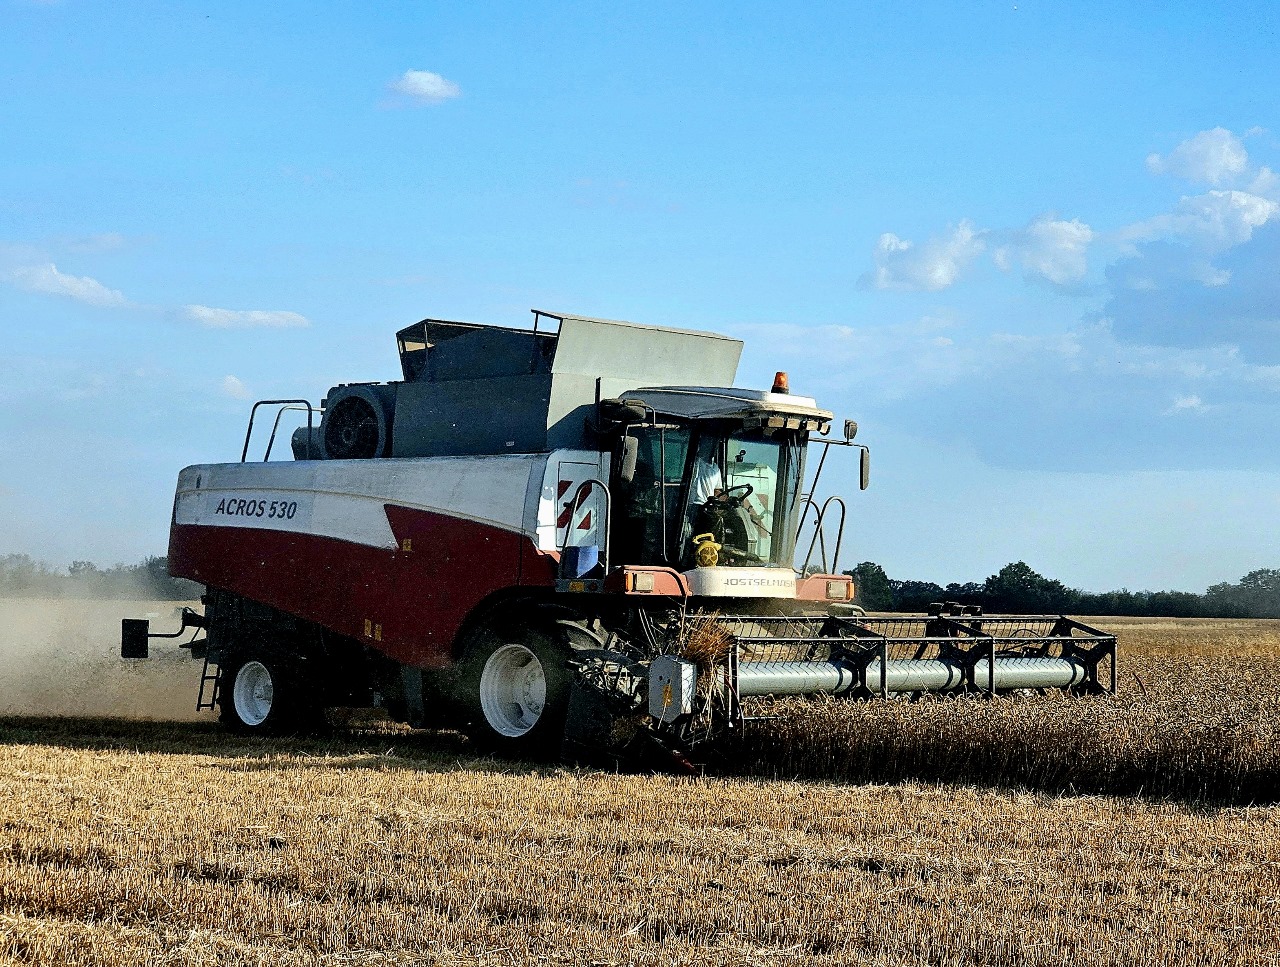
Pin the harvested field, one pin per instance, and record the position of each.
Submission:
(398, 851)
(125, 842)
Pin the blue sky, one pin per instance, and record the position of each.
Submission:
(1033, 248)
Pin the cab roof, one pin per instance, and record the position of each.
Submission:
(753, 407)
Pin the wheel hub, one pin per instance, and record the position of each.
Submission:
(253, 693)
(513, 690)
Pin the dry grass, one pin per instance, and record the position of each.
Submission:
(305, 853)
(707, 645)
(1198, 718)
(133, 843)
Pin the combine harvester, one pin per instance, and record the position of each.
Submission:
(571, 540)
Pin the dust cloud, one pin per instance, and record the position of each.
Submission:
(62, 657)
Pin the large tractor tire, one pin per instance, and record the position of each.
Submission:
(260, 695)
(514, 690)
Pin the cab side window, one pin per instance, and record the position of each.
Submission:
(652, 496)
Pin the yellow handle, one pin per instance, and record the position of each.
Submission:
(705, 550)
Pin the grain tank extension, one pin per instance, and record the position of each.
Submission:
(578, 537)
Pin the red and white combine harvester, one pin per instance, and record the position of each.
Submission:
(577, 537)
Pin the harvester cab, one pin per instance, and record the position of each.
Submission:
(581, 532)
(709, 478)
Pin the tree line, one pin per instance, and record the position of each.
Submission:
(24, 577)
(1014, 589)
(1017, 589)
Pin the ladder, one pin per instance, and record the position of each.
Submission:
(208, 678)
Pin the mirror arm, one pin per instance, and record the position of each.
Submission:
(864, 462)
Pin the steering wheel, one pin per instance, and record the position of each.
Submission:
(731, 496)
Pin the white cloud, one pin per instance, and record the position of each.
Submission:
(1266, 182)
(933, 266)
(244, 318)
(1208, 275)
(234, 387)
(1186, 404)
(1214, 157)
(1050, 249)
(1176, 294)
(1267, 376)
(425, 87)
(47, 279)
(916, 360)
(1217, 220)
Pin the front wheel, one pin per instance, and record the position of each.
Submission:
(515, 684)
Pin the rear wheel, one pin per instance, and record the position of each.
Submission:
(515, 687)
(258, 695)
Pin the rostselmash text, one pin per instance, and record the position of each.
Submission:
(759, 582)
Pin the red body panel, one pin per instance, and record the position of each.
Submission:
(409, 602)
(814, 587)
(667, 581)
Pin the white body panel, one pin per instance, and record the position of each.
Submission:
(557, 516)
(345, 499)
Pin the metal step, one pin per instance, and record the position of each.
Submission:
(206, 679)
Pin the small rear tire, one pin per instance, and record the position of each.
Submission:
(258, 695)
(515, 689)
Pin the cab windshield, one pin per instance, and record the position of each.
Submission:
(743, 489)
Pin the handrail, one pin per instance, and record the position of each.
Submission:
(275, 427)
(538, 314)
(817, 475)
(575, 502)
(244, 453)
(819, 538)
(807, 501)
(844, 513)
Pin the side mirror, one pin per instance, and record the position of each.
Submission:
(864, 469)
(630, 454)
(133, 637)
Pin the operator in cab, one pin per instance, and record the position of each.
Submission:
(724, 513)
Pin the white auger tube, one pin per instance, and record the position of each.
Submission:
(925, 675)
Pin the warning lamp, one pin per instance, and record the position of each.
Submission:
(780, 384)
